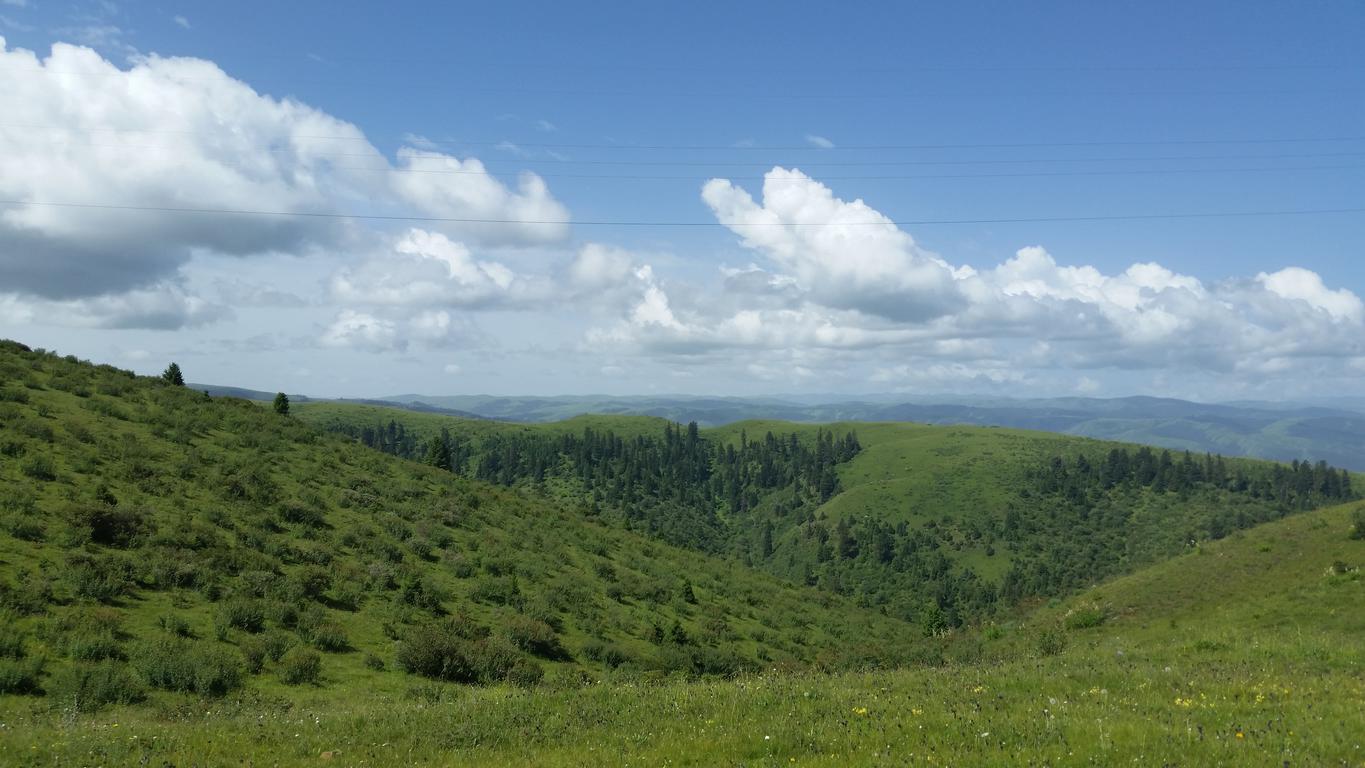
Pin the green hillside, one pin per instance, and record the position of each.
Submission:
(1245, 652)
(933, 525)
(157, 543)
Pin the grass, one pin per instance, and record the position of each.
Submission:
(1244, 651)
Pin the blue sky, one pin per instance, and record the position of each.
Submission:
(981, 111)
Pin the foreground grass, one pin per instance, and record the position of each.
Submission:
(1246, 652)
(1271, 705)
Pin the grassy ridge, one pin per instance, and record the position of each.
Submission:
(1262, 670)
(136, 516)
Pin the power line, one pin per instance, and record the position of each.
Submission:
(748, 148)
(523, 161)
(606, 223)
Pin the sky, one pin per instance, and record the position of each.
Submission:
(1043, 199)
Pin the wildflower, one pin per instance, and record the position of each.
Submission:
(860, 711)
(916, 711)
(1240, 735)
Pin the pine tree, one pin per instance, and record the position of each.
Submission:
(281, 403)
(438, 454)
(172, 375)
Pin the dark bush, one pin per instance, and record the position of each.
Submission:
(524, 673)
(606, 654)
(39, 467)
(1358, 523)
(176, 664)
(374, 662)
(456, 650)
(20, 675)
(175, 625)
(533, 636)
(88, 687)
(300, 665)
(107, 524)
(104, 578)
(244, 614)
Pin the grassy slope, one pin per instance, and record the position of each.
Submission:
(1246, 653)
(170, 453)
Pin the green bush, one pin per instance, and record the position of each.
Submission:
(606, 654)
(329, 635)
(300, 665)
(533, 636)
(39, 466)
(11, 638)
(20, 675)
(242, 613)
(88, 687)
(176, 664)
(524, 673)
(105, 578)
(1358, 523)
(1085, 617)
(175, 625)
(1050, 642)
(457, 651)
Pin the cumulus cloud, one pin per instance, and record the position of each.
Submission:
(840, 277)
(164, 306)
(180, 133)
(846, 254)
(363, 331)
(425, 269)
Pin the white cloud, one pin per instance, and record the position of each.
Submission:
(839, 278)
(164, 306)
(428, 269)
(180, 133)
(358, 330)
(819, 141)
(1300, 284)
(846, 254)
(181, 21)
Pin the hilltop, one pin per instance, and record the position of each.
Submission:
(1281, 431)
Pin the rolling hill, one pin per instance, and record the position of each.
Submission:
(155, 541)
(1279, 431)
(933, 525)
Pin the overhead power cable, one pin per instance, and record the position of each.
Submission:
(664, 223)
(744, 148)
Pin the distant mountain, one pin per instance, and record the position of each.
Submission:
(1283, 431)
(215, 390)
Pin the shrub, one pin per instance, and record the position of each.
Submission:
(456, 650)
(175, 625)
(329, 635)
(300, 665)
(11, 639)
(244, 614)
(1358, 523)
(1051, 641)
(20, 675)
(88, 687)
(176, 664)
(524, 673)
(1084, 617)
(606, 654)
(107, 524)
(102, 578)
(374, 662)
(533, 636)
(39, 467)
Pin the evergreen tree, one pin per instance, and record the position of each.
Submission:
(281, 403)
(172, 374)
(438, 454)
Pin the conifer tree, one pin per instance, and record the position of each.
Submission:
(172, 375)
(281, 403)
